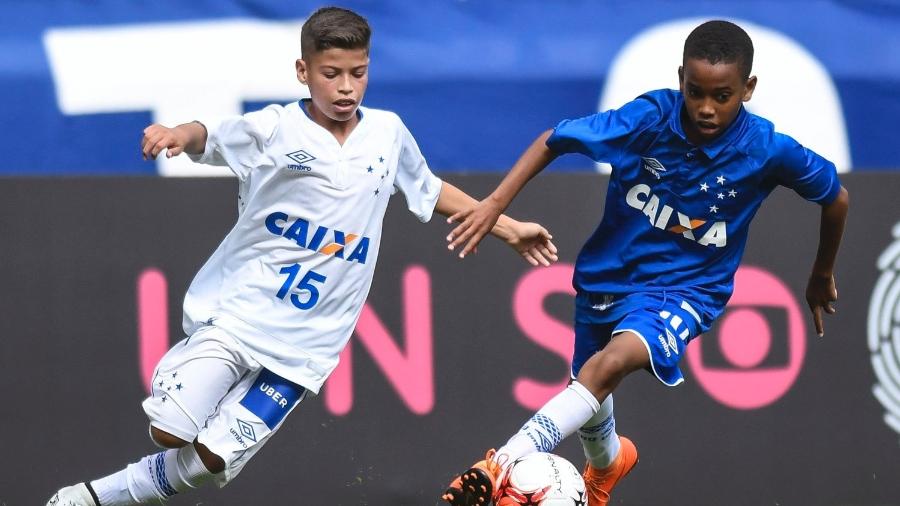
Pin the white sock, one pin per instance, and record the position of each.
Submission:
(598, 436)
(154, 478)
(558, 419)
(112, 489)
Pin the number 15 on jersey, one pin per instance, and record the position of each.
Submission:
(305, 284)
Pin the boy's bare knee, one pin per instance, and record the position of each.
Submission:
(166, 440)
(602, 372)
(213, 462)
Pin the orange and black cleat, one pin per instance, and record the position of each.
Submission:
(478, 486)
(600, 482)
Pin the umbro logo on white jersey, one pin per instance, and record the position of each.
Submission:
(301, 158)
(246, 430)
(653, 166)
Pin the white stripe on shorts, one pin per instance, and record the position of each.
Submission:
(687, 307)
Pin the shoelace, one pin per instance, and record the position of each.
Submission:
(597, 479)
(502, 462)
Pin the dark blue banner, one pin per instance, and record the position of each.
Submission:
(474, 81)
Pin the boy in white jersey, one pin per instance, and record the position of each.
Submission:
(270, 311)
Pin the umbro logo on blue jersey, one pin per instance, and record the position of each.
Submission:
(653, 166)
(301, 158)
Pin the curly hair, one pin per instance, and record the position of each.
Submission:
(720, 41)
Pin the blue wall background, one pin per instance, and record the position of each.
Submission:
(475, 81)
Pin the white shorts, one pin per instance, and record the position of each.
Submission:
(207, 387)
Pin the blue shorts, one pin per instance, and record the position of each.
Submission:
(665, 330)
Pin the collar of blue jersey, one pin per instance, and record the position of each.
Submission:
(721, 142)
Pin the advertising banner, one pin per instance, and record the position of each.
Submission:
(450, 357)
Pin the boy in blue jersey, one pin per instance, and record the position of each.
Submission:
(690, 169)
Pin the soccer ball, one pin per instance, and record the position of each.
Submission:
(542, 479)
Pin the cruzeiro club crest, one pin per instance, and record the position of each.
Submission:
(884, 332)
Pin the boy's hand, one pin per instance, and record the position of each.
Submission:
(474, 224)
(821, 294)
(533, 242)
(157, 138)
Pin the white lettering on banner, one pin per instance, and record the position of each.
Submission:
(274, 394)
(884, 332)
(795, 90)
(144, 67)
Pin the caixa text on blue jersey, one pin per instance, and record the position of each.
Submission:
(661, 216)
(298, 232)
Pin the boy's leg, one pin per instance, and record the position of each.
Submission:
(598, 436)
(609, 456)
(249, 416)
(154, 478)
(661, 337)
(556, 420)
(188, 385)
(560, 417)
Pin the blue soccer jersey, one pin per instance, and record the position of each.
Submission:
(677, 216)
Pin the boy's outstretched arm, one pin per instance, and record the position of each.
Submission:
(476, 221)
(530, 240)
(188, 138)
(821, 292)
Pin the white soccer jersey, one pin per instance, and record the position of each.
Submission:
(290, 279)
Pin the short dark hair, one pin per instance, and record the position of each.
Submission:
(720, 41)
(331, 27)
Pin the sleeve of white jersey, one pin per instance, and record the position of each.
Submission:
(240, 142)
(418, 184)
